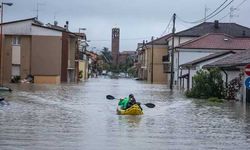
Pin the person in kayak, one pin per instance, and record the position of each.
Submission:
(128, 102)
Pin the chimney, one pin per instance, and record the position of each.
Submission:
(55, 23)
(244, 33)
(67, 25)
(216, 24)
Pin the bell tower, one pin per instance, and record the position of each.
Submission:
(115, 45)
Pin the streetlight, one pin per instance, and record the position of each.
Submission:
(1, 41)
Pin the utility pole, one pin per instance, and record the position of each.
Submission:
(152, 60)
(172, 54)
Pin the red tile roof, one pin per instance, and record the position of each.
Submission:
(217, 41)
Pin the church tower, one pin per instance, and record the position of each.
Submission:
(115, 45)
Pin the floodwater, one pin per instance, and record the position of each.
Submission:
(78, 117)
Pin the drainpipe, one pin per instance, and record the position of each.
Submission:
(178, 66)
(152, 61)
(226, 77)
(188, 80)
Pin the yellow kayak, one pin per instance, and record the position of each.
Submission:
(133, 110)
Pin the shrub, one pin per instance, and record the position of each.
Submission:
(80, 74)
(207, 84)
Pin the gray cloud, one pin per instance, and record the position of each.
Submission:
(137, 19)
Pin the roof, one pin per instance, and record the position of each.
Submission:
(58, 28)
(206, 58)
(217, 41)
(238, 59)
(232, 29)
(39, 24)
(161, 40)
(34, 19)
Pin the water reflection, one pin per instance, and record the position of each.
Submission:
(77, 116)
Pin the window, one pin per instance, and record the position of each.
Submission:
(16, 40)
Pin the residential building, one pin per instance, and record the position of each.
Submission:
(82, 56)
(45, 52)
(92, 63)
(233, 67)
(125, 55)
(192, 55)
(140, 62)
(188, 70)
(151, 66)
(164, 46)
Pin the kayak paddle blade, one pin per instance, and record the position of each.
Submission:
(110, 97)
(150, 105)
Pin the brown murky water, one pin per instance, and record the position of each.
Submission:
(77, 117)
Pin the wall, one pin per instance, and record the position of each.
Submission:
(72, 52)
(65, 55)
(23, 60)
(72, 73)
(18, 28)
(7, 59)
(84, 68)
(42, 31)
(25, 56)
(46, 55)
(159, 76)
(182, 57)
(47, 79)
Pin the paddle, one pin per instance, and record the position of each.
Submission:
(149, 105)
(3, 102)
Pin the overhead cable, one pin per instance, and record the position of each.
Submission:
(236, 8)
(211, 15)
(167, 28)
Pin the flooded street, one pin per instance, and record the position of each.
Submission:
(78, 116)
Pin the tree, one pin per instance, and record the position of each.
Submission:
(106, 55)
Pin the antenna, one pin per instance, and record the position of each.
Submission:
(231, 13)
(206, 10)
(37, 8)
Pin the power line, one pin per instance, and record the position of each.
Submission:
(216, 9)
(221, 9)
(211, 15)
(167, 28)
(106, 40)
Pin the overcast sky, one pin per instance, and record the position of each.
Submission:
(137, 19)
